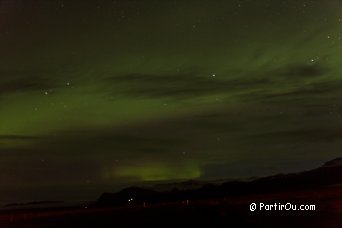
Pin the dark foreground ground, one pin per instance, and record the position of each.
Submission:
(226, 212)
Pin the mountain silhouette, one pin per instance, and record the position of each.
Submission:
(328, 174)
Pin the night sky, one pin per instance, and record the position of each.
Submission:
(98, 95)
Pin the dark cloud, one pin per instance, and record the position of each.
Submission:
(303, 135)
(15, 81)
(296, 83)
(300, 71)
(194, 84)
(325, 90)
(181, 85)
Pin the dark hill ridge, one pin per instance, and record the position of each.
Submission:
(335, 162)
(328, 174)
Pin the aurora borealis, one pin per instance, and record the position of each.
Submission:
(96, 95)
